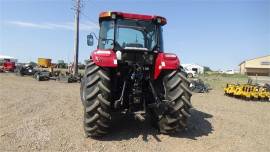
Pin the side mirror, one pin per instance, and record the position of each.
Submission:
(90, 40)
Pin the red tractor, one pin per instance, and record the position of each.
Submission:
(9, 66)
(129, 73)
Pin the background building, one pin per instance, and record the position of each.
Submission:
(258, 66)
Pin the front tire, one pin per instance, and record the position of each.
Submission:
(95, 96)
(177, 93)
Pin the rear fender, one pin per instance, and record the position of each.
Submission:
(165, 61)
(104, 58)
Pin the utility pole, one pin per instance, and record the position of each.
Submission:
(76, 44)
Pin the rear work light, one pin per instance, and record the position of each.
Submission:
(113, 16)
(170, 56)
(103, 53)
(161, 20)
(105, 14)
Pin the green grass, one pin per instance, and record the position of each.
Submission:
(218, 81)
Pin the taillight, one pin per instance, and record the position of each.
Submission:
(105, 14)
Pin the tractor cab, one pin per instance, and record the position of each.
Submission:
(124, 31)
(131, 39)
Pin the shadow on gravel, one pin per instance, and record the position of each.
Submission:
(198, 125)
(125, 127)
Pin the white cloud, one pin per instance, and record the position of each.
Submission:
(85, 25)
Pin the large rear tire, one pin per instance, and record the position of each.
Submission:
(95, 96)
(176, 92)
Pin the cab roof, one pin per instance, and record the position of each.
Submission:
(109, 14)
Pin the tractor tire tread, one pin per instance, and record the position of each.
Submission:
(104, 114)
(92, 119)
(104, 76)
(186, 89)
(103, 100)
(175, 84)
(92, 107)
(178, 106)
(90, 64)
(96, 89)
(103, 88)
(92, 94)
(178, 94)
(92, 71)
(184, 78)
(93, 82)
(172, 74)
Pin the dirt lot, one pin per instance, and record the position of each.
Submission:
(48, 116)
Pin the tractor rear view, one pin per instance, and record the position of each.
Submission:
(129, 73)
(9, 66)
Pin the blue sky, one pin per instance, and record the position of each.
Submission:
(219, 34)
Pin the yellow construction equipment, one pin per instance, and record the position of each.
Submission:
(229, 90)
(247, 92)
(238, 91)
(44, 63)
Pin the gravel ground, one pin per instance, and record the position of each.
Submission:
(47, 116)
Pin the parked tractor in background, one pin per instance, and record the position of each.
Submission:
(9, 66)
(129, 73)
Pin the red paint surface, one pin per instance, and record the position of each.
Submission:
(170, 60)
(104, 58)
(136, 16)
(9, 66)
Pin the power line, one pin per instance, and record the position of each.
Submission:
(88, 18)
(83, 3)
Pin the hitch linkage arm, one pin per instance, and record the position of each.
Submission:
(160, 107)
(120, 100)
